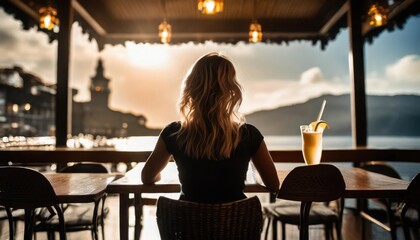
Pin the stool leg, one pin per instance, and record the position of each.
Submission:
(391, 219)
(267, 228)
(305, 207)
(416, 230)
(274, 228)
(338, 230)
(11, 227)
(61, 222)
(138, 212)
(103, 217)
(29, 220)
(283, 231)
(327, 231)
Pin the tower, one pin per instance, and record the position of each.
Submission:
(99, 90)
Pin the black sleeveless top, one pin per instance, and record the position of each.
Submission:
(213, 181)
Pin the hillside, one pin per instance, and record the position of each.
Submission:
(387, 116)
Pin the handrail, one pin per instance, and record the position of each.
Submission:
(64, 155)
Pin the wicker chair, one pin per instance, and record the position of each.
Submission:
(24, 188)
(79, 217)
(411, 210)
(179, 219)
(307, 184)
(389, 207)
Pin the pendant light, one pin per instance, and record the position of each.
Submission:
(255, 29)
(378, 15)
(210, 6)
(165, 29)
(48, 18)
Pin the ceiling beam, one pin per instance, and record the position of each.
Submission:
(88, 18)
(145, 36)
(25, 8)
(334, 19)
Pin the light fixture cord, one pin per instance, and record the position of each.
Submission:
(254, 17)
(164, 8)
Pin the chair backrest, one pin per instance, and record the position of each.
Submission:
(313, 183)
(25, 188)
(381, 168)
(179, 219)
(412, 194)
(85, 168)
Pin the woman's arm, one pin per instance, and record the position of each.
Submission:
(156, 162)
(265, 166)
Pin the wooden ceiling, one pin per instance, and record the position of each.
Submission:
(116, 21)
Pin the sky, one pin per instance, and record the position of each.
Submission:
(146, 78)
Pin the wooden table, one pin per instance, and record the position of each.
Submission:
(131, 183)
(79, 187)
(363, 184)
(359, 184)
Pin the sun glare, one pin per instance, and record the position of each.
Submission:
(147, 55)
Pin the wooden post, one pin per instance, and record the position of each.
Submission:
(357, 74)
(357, 78)
(62, 103)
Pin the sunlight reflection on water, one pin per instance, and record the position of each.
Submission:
(146, 143)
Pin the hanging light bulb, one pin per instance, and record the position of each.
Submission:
(377, 15)
(255, 32)
(165, 32)
(48, 18)
(210, 6)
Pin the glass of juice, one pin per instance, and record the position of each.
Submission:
(311, 144)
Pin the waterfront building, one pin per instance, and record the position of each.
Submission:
(27, 108)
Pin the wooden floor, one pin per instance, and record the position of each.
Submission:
(351, 227)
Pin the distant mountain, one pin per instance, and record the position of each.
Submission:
(387, 116)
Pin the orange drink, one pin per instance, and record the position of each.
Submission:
(311, 145)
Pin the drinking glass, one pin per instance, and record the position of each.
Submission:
(311, 145)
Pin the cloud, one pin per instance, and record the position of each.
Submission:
(83, 62)
(141, 89)
(310, 76)
(26, 48)
(32, 50)
(8, 23)
(407, 69)
(402, 77)
(270, 94)
(7, 39)
(154, 91)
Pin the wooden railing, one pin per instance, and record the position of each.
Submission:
(64, 155)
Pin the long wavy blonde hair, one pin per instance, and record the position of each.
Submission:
(209, 103)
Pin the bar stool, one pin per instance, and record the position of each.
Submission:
(80, 216)
(308, 184)
(390, 207)
(412, 205)
(24, 188)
